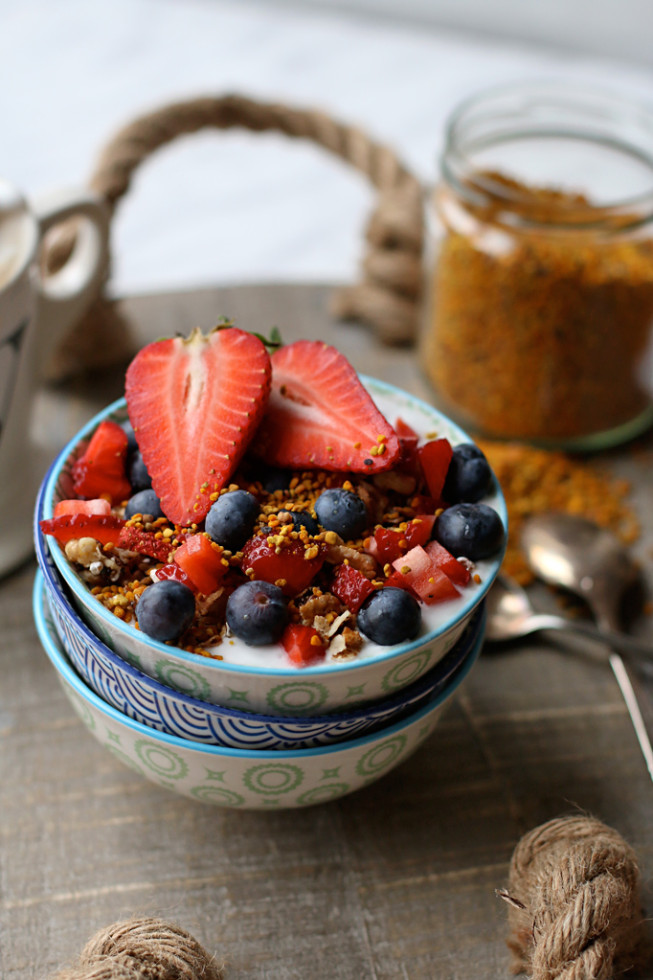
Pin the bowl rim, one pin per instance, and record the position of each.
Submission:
(66, 672)
(50, 575)
(44, 503)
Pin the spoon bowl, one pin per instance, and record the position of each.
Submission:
(588, 560)
(511, 616)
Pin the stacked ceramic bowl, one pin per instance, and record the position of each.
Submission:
(247, 736)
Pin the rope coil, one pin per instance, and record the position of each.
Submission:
(143, 949)
(388, 295)
(574, 897)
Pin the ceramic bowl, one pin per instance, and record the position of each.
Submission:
(148, 701)
(246, 778)
(273, 690)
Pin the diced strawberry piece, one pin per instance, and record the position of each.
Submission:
(408, 442)
(407, 435)
(101, 469)
(351, 587)
(424, 577)
(371, 547)
(396, 580)
(105, 528)
(150, 543)
(434, 459)
(393, 542)
(174, 572)
(424, 505)
(320, 415)
(289, 566)
(99, 506)
(201, 559)
(450, 565)
(195, 405)
(303, 644)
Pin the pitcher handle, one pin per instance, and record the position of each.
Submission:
(65, 295)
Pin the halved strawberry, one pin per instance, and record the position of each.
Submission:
(105, 528)
(195, 405)
(320, 415)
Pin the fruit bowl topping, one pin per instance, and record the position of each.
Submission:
(268, 502)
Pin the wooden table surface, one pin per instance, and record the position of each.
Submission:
(395, 881)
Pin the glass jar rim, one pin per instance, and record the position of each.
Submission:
(609, 119)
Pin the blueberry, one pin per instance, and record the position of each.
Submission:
(469, 475)
(165, 610)
(343, 512)
(257, 613)
(275, 478)
(471, 530)
(390, 616)
(301, 518)
(231, 519)
(137, 473)
(144, 502)
(128, 429)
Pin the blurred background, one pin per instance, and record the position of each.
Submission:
(235, 207)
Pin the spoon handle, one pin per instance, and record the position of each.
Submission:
(621, 642)
(635, 697)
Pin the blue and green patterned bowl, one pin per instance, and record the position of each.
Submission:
(312, 690)
(154, 704)
(246, 778)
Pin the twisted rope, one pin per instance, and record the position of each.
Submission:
(389, 292)
(574, 896)
(143, 949)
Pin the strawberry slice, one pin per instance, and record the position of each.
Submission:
(434, 458)
(194, 405)
(88, 507)
(320, 415)
(101, 469)
(105, 528)
(150, 543)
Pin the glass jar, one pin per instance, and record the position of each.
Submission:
(539, 323)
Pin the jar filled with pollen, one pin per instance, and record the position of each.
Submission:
(539, 320)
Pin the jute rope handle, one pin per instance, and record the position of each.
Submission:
(574, 896)
(389, 292)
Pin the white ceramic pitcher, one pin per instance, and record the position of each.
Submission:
(36, 310)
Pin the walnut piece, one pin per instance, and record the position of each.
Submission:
(319, 605)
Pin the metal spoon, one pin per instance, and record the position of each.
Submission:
(585, 559)
(510, 615)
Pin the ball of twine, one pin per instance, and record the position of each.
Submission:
(143, 949)
(575, 908)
